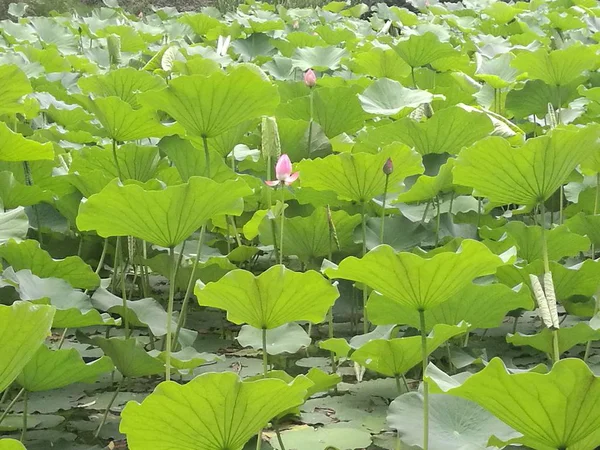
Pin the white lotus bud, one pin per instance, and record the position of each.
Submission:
(551, 298)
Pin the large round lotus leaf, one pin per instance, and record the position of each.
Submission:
(388, 97)
(11, 444)
(15, 147)
(164, 217)
(209, 106)
(481, 306)
(359, 176)
(555, 410)
(23, 328)
(557, 67)
(288, 338)
(271, 299)
(393, 357)
(54, 369)
(215, 411)
(453, 422)
(420, 50)
(526, 175)
(417, 282)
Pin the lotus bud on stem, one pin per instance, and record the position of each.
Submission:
(388, 168)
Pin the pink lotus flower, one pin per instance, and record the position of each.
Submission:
(283, 172)
(310, 78)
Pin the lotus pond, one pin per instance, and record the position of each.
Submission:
(350, 227)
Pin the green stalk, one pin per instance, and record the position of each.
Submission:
(364, 252)
(278, 434)
(170, 313)
(206, 156)
(114, 152)
(62, 338)
(188, 290)
(385, 190)
(102, 256)
(398, 385)
(330, 312)
(412, 74)
(425, 358)
(270, 204)
(596, 202)
(24, 430)
(29, 182)
(588, 347)
(281, 226)
(11, 405)
(265, 356)
(438, 221)
(425, 212)
(110, 403)
(555, 347)
(310, 125)
(124, 297)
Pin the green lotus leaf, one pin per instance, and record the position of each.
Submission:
(191, 161)
(121, 122)
(200, 23)
(15, 147)
(165, 217)
(420, 50)
(338, 110)
(23, 329)
(417, 282)
(359, 176)
(293, 136)
(327, 437)
(388, 97)
(14, 194)
(526, 175)
(271, 299)
(557, 67)
(480, 306)
(124, 83)
(209, 106)
(447, 131)
(553, 410)
(318, 58)
(288, 338)
(129, 356)
(585, 225)
(454, 422)
(535, 96)
(496, 72)
(13, 86)
(212, 412)
(11, 444)
(428, 187)
(380, 63)
(567, 338)
(399, 233)
(309, 237)
(528, 239)
(186, 358)
(393, 357)
(28, 255)
(54, 369)
(339, 346)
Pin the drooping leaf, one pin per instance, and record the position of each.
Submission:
(359, 176)
(388, 97)
(393, 357)
(525, 175)
(14, 224)
(28, 255)
(23, 329)
(481, 306)
(552, 410)
(288, 338)
(567, 338)
(454, 422)
(15, 147)
(417, 282)
(209, 106)
(164, 217)
(54, 369)
(271, 299)
(428, 187)
(213, 411)
(129, 357)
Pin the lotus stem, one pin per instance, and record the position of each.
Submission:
(596, 202)
(310, 125)
(385, 190)
(364, 252)
(281, 227)
(330, 312)
(588, 346)
(270, 204)
(116, 159)
(11, 405)
(555, 348)
(278, 434)
(188, 290)
(398, 385)
(102, 256)
(24, 430)
(206, 156)
(110, 403)
(412, 75)
(62, 338)
(438, 221)
(170, 313)
(124, 297)
(265, 355)
(425, 358)
(425, 212)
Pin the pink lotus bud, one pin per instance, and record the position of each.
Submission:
(310, 78)
(388, 167)
(283, 172)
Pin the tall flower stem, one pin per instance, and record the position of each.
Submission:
(206, 156)
(190, 285)
(425, 359)
(385, 191)
(11, 405)
(24, 430)
(270, 204)
(173, 268)
(555, 346)
(282, 225)
(364, 252)
(310, 125)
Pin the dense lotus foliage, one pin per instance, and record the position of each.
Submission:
(350, 227)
